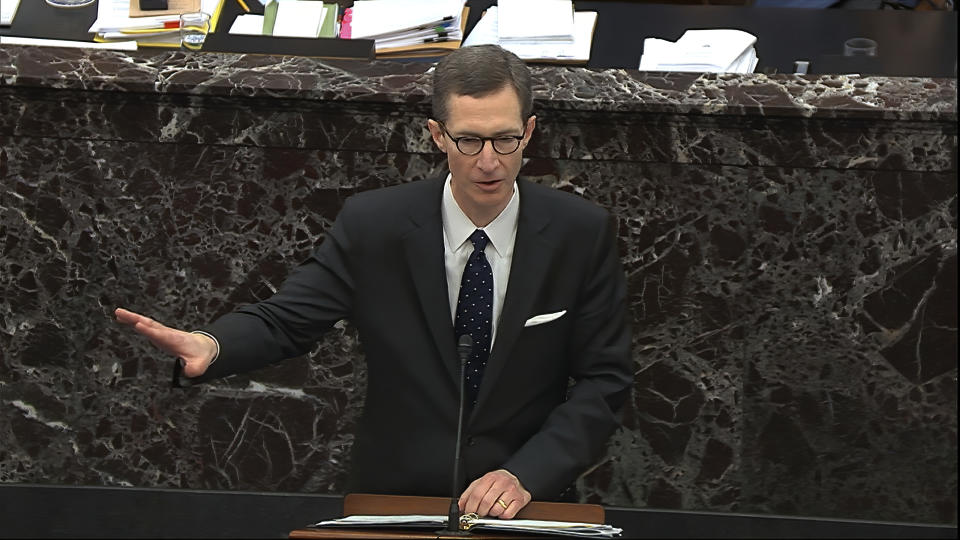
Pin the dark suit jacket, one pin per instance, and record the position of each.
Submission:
(381, 266)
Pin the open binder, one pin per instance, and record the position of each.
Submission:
(378, 516)
(469, 522)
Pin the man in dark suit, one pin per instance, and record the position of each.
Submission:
(531, 274)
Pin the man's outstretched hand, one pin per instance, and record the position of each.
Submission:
(497, 493)
(196, 350)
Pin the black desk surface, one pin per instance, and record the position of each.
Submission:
(32, 511)
(910, 43)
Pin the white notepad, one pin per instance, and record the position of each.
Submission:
(247, 24)
(301, 18)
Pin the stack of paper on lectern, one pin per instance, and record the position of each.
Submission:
(407, 27)
(574, 51)
(471, 521)
(114, 23)
(710, 51)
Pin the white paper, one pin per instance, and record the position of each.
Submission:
(565, 528)
(535, 20)
(8, 8)
(299, 18)
(381, 18)
(117, 45)
(486, 31)
(247, 24)
(711, 51)
(114, 15)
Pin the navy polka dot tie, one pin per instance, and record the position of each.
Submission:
(475, 311)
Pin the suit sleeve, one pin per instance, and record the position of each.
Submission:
(574, 435)
(316, 295)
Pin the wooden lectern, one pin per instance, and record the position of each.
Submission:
(366, 504)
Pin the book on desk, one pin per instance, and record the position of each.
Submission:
(398, 516)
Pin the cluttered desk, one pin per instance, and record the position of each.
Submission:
(596, 34)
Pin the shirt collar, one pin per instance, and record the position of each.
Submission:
(457, 227)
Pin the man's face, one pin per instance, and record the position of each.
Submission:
(483, 184)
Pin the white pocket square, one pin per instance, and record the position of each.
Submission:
(545, 318)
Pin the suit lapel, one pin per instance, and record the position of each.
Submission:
(423, 246)
(531, 260)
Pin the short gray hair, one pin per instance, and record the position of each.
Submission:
(479, 71)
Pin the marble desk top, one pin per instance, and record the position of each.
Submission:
(559, 88)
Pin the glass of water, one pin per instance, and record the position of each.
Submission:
(859, 46)
(193, 30)
(70, 3)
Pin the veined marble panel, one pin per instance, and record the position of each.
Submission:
(790, 244)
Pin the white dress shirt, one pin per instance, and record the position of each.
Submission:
(502, 232)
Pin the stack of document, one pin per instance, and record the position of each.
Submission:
(405, 28)
(290, 18)
(708, 51)
(535, 21)
(114, 23)
(469, 522)
(573, 50)
(40, 42)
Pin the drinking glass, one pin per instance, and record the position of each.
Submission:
(859, 46)
(70, 3)
(193, 30)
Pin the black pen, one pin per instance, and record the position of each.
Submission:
(437, 40)
(435, 25)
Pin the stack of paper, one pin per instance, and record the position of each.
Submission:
(709, 51)
(40, 42)
(290, 18)
(574, 51)
(407, 27)
(114, 23)
(535, 21)
(469, 522)
(8, 9)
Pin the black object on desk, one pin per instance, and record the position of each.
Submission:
(153, 5)
(840, 64)
(41, 20)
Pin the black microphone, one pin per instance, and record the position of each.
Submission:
(464, 348)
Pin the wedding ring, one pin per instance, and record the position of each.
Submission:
(501, 503)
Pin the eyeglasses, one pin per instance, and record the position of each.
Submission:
(471, 145)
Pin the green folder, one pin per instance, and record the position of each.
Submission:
(329, 27)
(270, 17)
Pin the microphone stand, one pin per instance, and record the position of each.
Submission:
(464, 348)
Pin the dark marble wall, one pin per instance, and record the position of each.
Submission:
(790, 246)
